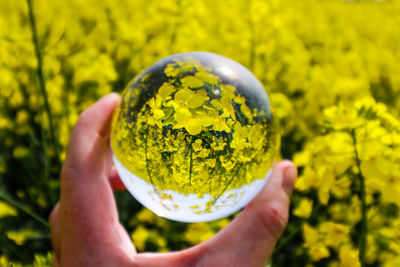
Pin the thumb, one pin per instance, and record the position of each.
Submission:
(251, 237)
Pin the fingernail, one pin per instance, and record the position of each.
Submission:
(289, 176)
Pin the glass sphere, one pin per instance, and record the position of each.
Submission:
(194, 137)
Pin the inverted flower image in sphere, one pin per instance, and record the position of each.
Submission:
(194, 137)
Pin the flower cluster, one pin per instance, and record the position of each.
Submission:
(355, 181)
(182, 127)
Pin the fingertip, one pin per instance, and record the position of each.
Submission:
(114, 94)
(110, 102)
(113, 97)
(275, 182)
(288, 178)
(96, 118)
(282, 165)
(279, 186)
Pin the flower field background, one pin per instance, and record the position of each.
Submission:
(332, 69)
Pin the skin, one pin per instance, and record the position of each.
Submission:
(85, 229)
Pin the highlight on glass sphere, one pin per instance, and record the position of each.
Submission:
(194, 137)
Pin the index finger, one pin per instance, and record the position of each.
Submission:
(88, 213)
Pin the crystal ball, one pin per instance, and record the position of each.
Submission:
(194, 137)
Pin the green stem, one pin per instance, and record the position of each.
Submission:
(227, 185)
(364, 219)
(293, 234)
(191, 162)
(252, 40)
(147, 159)
(19, 206)
(46, 157)
(39, 70)
(289, 238)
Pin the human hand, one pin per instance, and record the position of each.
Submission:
(85, 229)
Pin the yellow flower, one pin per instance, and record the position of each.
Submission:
(182, 116)
(304, 209)
(342, 117)
(166, 90)
(318, 252)
(314, 242)
(349, 257)
(198, 99)
(139, 237)
(20, 152)
(191, 99)
(7, 210)
(335, 233)
(197, 145)
(158, 114)
(220, 125)
(22, 117)
(191, 82)
(183, 95)
(207, 77)
(193, 127)
(19, 237)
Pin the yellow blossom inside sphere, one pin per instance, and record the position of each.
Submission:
(193, 141)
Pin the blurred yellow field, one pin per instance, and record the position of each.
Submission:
(331, 69)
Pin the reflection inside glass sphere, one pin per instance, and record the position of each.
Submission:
(194, 137)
